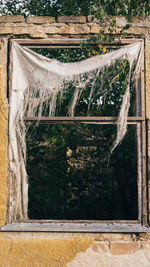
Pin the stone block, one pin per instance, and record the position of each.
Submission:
(6, 30)
(94, 28)
(50, 30)
(90, 18)
(64, 29)
(121, 248)
(121, 21)
(141, 21)
(73, 19)
(40, 20)
(135, 19)
(79, 29)
(38, 35)
(21, 30)
(74, 29)
(14, 19)
(137, 30)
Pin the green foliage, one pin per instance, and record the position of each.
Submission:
(100, 8)
(121, 8)
(16, 7)
(46, 7)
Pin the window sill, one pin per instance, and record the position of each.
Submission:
(113, 227)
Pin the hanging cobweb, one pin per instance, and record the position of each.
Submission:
(97, 86)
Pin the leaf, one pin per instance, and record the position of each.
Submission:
(100, 46)
(126, 27)
(104, 49)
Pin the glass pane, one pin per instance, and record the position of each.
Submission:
(73, 177)
(110, 86)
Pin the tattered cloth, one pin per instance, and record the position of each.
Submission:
(36, 82)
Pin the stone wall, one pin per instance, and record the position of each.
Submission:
(64, 249)
(44, 27)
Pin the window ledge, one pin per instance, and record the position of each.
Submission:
(74, 227)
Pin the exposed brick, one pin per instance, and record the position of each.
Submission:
(73, 19)
(145, 244)
(144, 236)
(40, 20)
(16, 19)
(120, 248)
(100, 246)
(111, 237)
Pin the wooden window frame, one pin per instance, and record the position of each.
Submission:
(139, 225)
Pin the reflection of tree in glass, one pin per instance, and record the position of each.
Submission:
(69, 178)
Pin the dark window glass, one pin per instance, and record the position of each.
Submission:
(72, 175)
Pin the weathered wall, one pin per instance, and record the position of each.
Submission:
(64, 249)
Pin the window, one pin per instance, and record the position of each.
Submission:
(73, 176)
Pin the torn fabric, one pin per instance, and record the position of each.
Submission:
(36, 83)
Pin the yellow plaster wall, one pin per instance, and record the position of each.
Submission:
(25, 251)
(74, 250)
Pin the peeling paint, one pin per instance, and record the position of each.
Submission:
(140, 258)
(25, 252)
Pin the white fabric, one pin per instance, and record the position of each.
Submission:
(34, 74)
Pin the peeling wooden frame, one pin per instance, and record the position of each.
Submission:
(139, 121)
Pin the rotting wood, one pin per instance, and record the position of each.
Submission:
(144, 182)
(62, 41)
(98, 119)
(143, 135)
(139, 159)
(75, 43)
